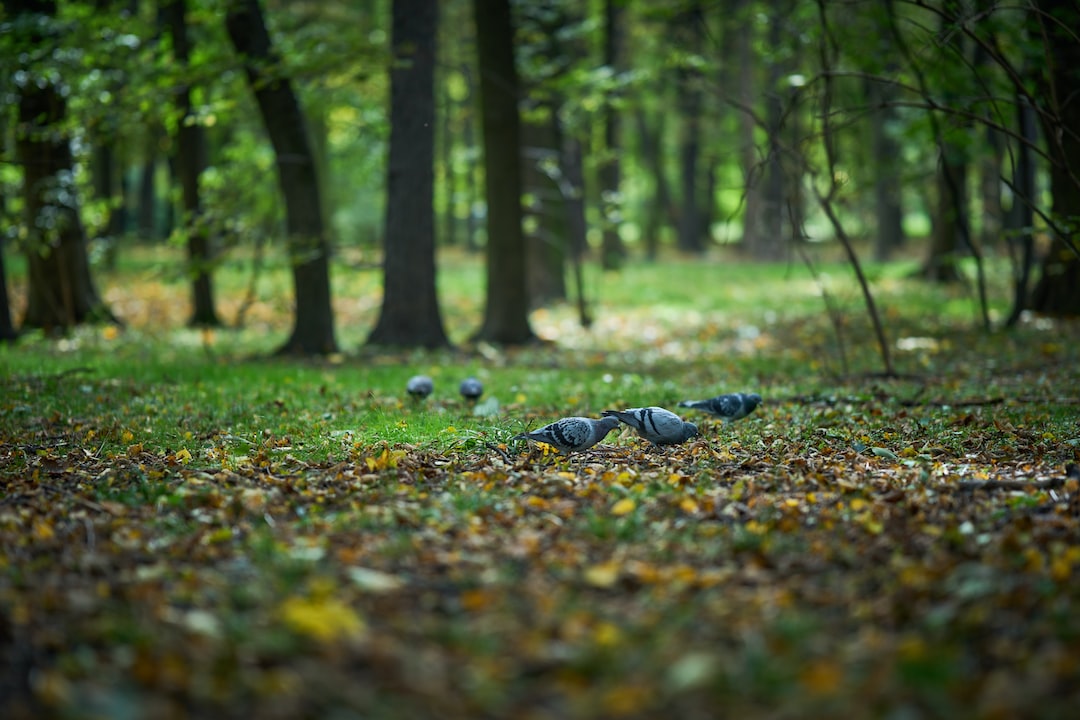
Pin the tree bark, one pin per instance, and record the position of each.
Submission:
(690, 27)
(506, 313)
(410, 308)
(61, 291)
(888, 211)
(309, 251)
(190, 163)
(7, 327)
(1057, 292)
(612, 251)
(545, 210)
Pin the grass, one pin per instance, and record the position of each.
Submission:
(190, 527)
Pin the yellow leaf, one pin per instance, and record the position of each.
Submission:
(603, 575)
(520, 398)
(688, 505)
(623, 507)
(126, 436)
(822, 677)
(183, 456)
(858, 504)
(323, 619)
(607, 634)
(43, 530)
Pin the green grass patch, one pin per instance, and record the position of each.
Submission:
(190, 527)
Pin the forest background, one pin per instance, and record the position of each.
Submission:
(232, 230)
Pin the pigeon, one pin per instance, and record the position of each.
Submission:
(728, 408)
(573, 434)
(471, 389)
(655, 424)
(419, 386)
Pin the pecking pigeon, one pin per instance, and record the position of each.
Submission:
(728, 407)
(419, 386)
(573, 434)
(471, 389)
(655, 424)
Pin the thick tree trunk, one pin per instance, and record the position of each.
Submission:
(190, 163)
(506, 313)
(1058, 289)
(690, 27)
(313, 328)
(61, 292)
(410, 307)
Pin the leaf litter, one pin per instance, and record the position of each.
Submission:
(873, 548)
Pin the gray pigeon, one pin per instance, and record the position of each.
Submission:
(655, 424)
(471, 389)
(729, 407)
(573, 434)
(419, 386)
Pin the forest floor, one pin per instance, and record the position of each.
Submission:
(185, 531)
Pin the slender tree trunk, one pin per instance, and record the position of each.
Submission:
(768, 240)
(506, 313)
(468, 137)
(888, 211)
(663, 210)
(612, 253)
(546, 223)
(410, 308)
(190, 163)
(7, 327)
(749, 159)
(1021, 217)
(313, 327)
(690, 27)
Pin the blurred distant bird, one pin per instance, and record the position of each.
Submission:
(655, 424)
(729, 407)
(419, 386)
(471, 389)
(573, 434)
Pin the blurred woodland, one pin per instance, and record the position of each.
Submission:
(543, 134)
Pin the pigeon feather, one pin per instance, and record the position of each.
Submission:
(419, 386)
(573, 434)
(471, 389)
(729, 407)
(655, 424)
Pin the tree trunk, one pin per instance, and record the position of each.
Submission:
(545, 209)
(313, 328)
(190, 163)
(749, 159)
(7, 327)
(612, 252)
(1021, 216)
(662, 208)
(61, 292)
(1058, 289)
(506, 313)
(767, 243)
(690, 28)
(941, 264)
(410, 307)
(885, 150)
